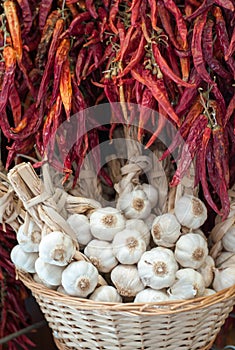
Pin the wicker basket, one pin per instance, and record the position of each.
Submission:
(84, 324)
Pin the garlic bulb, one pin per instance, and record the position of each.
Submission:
(134, 204)
(81, 226)
(165, 230)
(80, 278)
(140, 226)
(126, 279)
(157, 268)
(128, 246)
(190, 211)
(107, 294)
(61, 289)
(182, 289)
(208, 292)
(57, 248)
(152, 194)
(207, 270)
(191, 250)
(100, 253)
(225, 259)
(187, 277)
(106, 222)
(49, 274)
(228, 240)
(29, 236)
(38, 280)
(22, 260)
(224, 278)
(149, 220)
(150, 295)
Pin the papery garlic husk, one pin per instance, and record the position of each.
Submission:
(81, 227)
(80, 278)
(100, 253)
(208, 292)
(224, 278)
(151, 192)
(134, 205)
(49, 274)
(193, 277)
(190, 211)
(182, 290)
(165, 230)
(140, 226)
(22, 260)
(57, 248)
(157, 268)
(149, 220)
(106, 222)
(225, 259)
(128, 246)
(106, 294)
(207, 270)
(29, 236)
(150, 295)
(38, 280)
(228, 239)
(191, 250)
(126, 279)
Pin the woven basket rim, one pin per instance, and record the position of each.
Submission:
(157, 308)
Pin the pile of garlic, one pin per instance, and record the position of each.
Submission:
(141, 257)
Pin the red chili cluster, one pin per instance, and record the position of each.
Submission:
(172, 56)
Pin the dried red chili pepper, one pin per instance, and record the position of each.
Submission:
(112, 16)
(166, 69)
(14, 27)
(135, 11)
(44, 10)
(9, 56)
(190, 148)
(153, 13)
(15, 104)
(230, 110)
(148, 102)
(19, 146)
(156, 86)
(162, 119)
(90, 6)
(27, 15)
(207, 4)
(66, 88)
(76, 27)
(231, 47)
(81, 59)
(125, 44)
(21, 126)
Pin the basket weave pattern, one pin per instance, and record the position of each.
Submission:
(82, 324)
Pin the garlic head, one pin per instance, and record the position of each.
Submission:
(140, 226)
(191, 250)
(149, 220)
(134, 204)
(208, 292)
(188, 276)
(128, 246)
(151, 193)
(38, 280)
(190, 211)
(100, 253)
(225, 259)
(165, 230)
(126, 279)
(106, 222)
(49, 274)
(81, 227)
(207, 270)
(29, 236)
(80, 278)
(157, 268)
(23, 260)
(57, 248)
(228, 240)
(106, 294)
(150, 295)
(224, 278)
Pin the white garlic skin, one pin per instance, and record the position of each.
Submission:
(128, 246)
(135, 204)
(208, 292)
(225, 259)
(140, 226)
(157, 268)
(224, 278)
(57, 248)
(100, 253)
(191, 250)
(106, 294)
(152, 194)
(182, 289)
(81, 227)
(49, 274)
(149, 220)
(165, 230)
(190, 211)
(150, 295)
(80, 278)
(106, 222)
(38, 280)
(194, 277)
(22, 260)
(207, 270)
(228, 240)
(126, 280)
(29, 237)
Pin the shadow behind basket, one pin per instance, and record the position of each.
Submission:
(84, 324)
